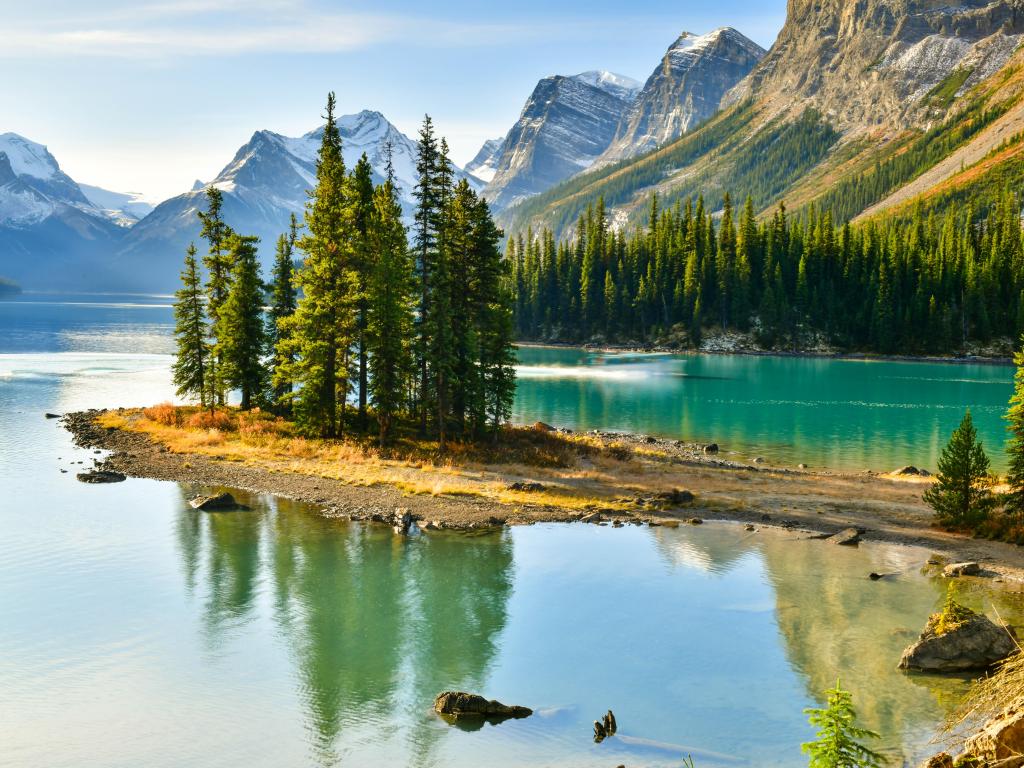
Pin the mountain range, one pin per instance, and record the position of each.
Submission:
(863, 108)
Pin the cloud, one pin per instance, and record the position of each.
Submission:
(213, 28)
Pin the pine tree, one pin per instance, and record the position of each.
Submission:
(240, 327)
(1014, 499)
(191, 330)
(283, 300)
(961, 495)
(322, 331)
(839, 739)
(218, 267)
(389, 307)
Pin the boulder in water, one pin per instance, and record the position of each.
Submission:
(460, 704)
(959, 640)
(100, 476)
(215, 503)
(711, 448)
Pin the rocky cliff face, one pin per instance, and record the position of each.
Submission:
(874, 62)
(685, 90)
(566, 124)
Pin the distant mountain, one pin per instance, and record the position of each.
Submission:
(51, 234)
(858, 107)
(484, 165)
(123, 208)
(565, 125)
(263, 185)
(685, 90)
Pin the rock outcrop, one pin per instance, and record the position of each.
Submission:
(962, 642)
(100, 476)
(1001, 740)
(459, 704)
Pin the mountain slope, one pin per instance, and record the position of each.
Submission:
(685, 90)
(262, 186)
(51, 235)
(123, 208)
(857, 97)
(565, 125)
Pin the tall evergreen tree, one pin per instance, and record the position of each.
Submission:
(389, 308)
(283, 301)
(191, 332)
(425, 246)
(322, 331)
(218, 268)
(240, 326)
(962, 491)
(1014, 499)
(363, 211)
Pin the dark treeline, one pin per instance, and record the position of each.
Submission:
(367, 324)
(915, 284)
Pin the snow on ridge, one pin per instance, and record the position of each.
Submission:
(619, 85)
(28, 158)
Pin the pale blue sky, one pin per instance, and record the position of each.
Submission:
(148, 95)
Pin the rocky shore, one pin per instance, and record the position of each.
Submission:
(705, 486)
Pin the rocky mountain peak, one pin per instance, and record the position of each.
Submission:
(685, 89)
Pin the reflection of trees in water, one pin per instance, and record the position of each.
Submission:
(377, 624)
(837, 623)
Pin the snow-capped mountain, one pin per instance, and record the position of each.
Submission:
(484, 165)
(565, 125)
(685, 89)
(265, 182)
(46, 222)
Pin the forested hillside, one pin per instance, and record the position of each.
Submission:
(925, 283)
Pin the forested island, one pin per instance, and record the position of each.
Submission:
(8, 288)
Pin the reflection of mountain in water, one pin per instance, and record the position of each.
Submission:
(378, 625)
(837, 623)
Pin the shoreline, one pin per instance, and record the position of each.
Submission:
(884, 508)
(656, 349)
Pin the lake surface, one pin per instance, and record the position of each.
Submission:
(137, 631)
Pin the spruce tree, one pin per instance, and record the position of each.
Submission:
(389, 308)
(961, 495)
(1014, 499)
(425, 248)
(363, 210)
(218, 268)
(839, 743)
(191, 330)
(322, 331)
(241, 330)
(283, 300)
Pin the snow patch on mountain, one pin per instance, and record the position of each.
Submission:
(123, 208)
(27, 158)
(485, 164)
(617, 85)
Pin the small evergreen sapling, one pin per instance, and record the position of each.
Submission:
(962, 493)
(839, 739)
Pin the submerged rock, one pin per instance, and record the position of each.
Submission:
(52, 415)
(848, 537)
(970, 641)
(100, 476)
(711, 448)
(460, 704)
(961, 569)
(214, 503)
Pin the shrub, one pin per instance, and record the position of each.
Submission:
(220, 420)
(163, 413)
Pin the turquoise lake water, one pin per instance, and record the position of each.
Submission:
(137, 631)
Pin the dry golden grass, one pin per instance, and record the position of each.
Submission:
(577, 471)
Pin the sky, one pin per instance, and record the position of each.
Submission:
(148, 96)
